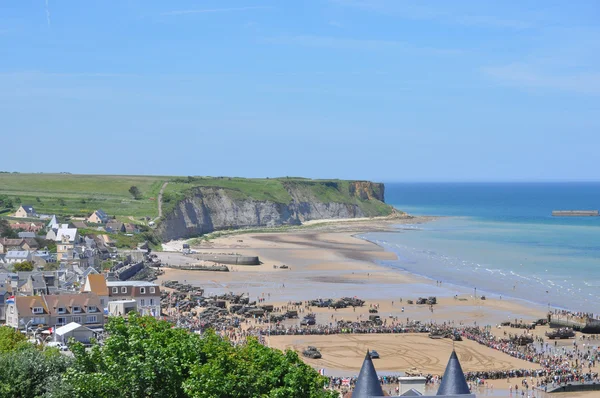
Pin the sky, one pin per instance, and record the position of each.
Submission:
(386, 90)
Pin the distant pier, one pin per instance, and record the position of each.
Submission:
(575, 213)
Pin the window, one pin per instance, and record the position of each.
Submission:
(151, 301)
(61, 310)
(92, 308)
(142, 302)
(91, 319)
(77, 319)
(61, 320)
(123, 290)
(76, 309)
(12, 309)
(38, 321)
(115, 290)
(102, 302)
(142, 290)
(152, 290)
(38, 310)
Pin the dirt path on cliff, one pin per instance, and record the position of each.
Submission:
(160, 195)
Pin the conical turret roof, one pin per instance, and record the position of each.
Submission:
(453, 381)
(367, 384)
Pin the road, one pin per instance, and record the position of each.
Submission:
(160, 195)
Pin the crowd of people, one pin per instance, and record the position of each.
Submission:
(580, 316)
(558, 364)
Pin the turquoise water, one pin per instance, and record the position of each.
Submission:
(501, 239)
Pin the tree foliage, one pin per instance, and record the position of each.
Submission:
(6, 231)
(135, 192)
(144, 357)
(10, 339)
(25, 266)
(6, 202)
(31, 373)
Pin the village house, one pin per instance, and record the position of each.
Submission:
(52, 224)
(54, 310)
(42, 258)
(65, 239)
(51, 234)
(131, 229)
(115, 226)
(7, 245)
(18, 256)
(27, 227)
(4, 294)
(35, 285)
(25, 211)
(146, 295)
(98, 217)
(77, 224)
(96, 283)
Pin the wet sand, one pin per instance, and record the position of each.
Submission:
(330, 262)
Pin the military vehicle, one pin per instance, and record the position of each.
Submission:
(562, 333)
(311, 352)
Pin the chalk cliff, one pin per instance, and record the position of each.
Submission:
(211, 208)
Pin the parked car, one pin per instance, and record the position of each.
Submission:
(57, 344)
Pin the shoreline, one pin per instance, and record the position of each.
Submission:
(528, 286)
(461, 288)
(392, 223)
(334, 261)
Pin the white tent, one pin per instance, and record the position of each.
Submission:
(76, 331)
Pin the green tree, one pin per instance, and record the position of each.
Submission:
(252, 370)
(37, 199)
(10, 339)
(62, 202)
(6, 231)
(25, 266)
(135, 192)
(31, 373)
(144, 357)
(51, 266)
(5, 202)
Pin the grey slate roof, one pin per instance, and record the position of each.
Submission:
(37, 281)
(28, 209)
(453, 381)
(367, 383)
(411, 393)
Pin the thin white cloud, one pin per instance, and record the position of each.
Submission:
(531, 76)
(357, 44)
(211, 10)
(47, 13)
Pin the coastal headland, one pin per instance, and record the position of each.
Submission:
(329, 261)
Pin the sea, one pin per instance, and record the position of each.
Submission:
(500, 240)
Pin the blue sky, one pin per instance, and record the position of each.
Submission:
(388, 90)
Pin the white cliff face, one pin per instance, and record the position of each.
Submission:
(212, 209)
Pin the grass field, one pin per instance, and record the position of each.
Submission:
(69, 194)
(80, 195)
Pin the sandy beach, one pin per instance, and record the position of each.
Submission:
(328, 261)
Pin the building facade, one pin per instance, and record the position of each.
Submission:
(23, 312)
(146, 294)
(25, 211)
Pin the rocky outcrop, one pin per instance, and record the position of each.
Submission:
(208, 209)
